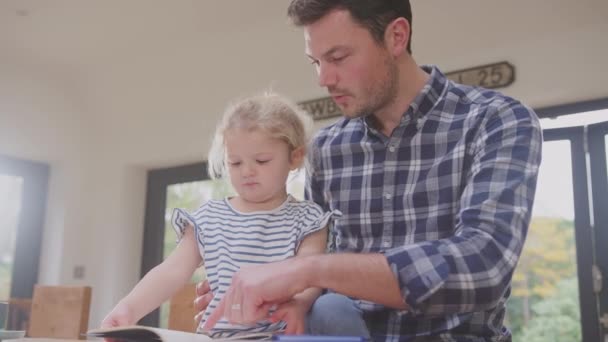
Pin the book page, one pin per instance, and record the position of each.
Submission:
(142, 333)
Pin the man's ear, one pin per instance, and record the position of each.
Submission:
(397, 36)
(297, 157)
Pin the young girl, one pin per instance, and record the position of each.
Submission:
(258, 142)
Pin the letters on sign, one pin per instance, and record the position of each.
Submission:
(322, 108)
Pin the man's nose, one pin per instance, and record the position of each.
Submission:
(327, 76)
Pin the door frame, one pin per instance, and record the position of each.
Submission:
(596, 136)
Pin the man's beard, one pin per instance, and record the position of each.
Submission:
(380, 94)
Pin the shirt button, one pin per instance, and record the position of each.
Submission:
(391, 148)
(388, 195)
(386, 244)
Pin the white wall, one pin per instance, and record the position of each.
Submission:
(40, 119)
(102, 128)
(558, 47)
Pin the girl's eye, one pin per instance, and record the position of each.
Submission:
(234, 163)
(262, 161)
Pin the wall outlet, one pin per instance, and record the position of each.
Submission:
(78, 272)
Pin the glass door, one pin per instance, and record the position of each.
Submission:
(549, 286)
(556, 294)
(24, 189)
(10, 205)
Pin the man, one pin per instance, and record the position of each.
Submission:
(435, 182)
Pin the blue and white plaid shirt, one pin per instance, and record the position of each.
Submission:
(447, 199)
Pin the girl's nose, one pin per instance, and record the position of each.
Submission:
(248, 170)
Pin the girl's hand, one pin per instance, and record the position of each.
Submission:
(294, 314)
(202, 300)
(118, 317)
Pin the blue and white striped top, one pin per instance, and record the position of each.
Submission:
(228, 239)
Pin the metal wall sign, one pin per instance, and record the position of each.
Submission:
(323, 108)
(491, 76)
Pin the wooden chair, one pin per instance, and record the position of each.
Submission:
(60, 312)
(181, 309)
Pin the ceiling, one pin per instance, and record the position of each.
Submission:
(89, 33)
(124, 62)
(93, 34)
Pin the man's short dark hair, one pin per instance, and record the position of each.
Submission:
(374, 15)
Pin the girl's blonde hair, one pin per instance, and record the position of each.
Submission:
(270, 113)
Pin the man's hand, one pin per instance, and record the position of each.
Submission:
(255, 289)
(202, 300)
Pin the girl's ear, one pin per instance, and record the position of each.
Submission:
(297, 158)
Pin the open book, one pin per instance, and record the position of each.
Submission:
(138, 333)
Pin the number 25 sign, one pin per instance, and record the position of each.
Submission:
(497, 75)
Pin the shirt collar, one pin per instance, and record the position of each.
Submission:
(430, 94)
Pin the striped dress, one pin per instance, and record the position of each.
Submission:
(228, 239)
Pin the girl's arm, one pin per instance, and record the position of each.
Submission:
(315, 243)
(159, 284)
(294, 311)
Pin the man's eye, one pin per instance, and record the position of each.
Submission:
(234, 163)
(337, 59)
